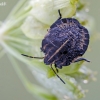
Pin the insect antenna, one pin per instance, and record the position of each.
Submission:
(32, 57)
(60, 16)
(57, 74)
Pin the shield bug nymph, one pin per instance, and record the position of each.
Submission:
(65, 43)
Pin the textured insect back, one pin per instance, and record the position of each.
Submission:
(66, 41)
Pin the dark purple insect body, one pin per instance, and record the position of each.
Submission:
(67, 40)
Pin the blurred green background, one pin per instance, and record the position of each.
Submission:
(11, 87)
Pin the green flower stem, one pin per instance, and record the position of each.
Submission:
(2, 52)
(13, 52)
(32, 88)
(23, 11)
(15, 24)
(18, 46)
(16, 39)
(35, 63)
(14, 32)
(16, 9)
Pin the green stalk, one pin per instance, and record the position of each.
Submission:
(32, 88)
(16, 9)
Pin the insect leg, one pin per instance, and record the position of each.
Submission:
(56, 68)
(32, 57)
(56, 74)
(81, 59)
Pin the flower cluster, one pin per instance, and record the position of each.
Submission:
(22, 33)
